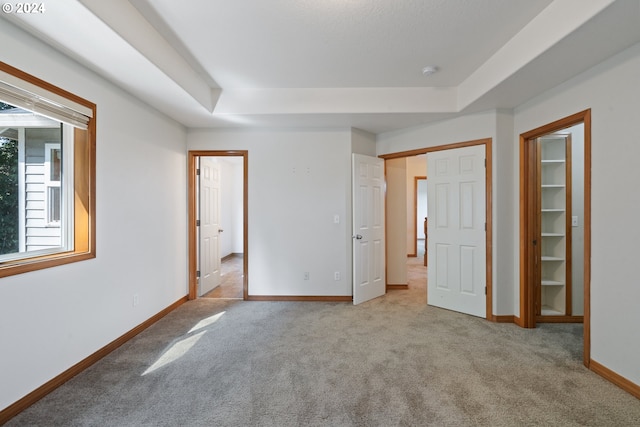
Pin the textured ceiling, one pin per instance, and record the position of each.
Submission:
(343, 43)
(334, 63)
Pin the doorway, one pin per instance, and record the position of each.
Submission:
(234, 262)
(483, 145)
(555, 223)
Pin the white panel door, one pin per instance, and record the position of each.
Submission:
(209, 225)
(368, 228)
(456, 274)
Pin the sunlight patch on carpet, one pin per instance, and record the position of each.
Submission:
(206, 322)
(175, 352)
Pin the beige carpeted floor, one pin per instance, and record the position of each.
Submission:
(393, 361)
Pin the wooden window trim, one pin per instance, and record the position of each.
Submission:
(84, 190)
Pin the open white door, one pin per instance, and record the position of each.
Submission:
(456, 228)
(368, 228)
(209, 225)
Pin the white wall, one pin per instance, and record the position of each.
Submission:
(506, 208)
(52, 319)
(612, 92)
(577, 210)
(423, 208)
(237, 200)
(363, 142)
(416, 166)
(231, 215)
(298, 181)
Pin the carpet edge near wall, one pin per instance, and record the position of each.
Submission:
(23, 403)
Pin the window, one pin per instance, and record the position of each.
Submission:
(47, 174)
(52, 178)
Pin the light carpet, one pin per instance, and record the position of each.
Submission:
(393, 361)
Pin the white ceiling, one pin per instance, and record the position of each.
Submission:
(335, 63)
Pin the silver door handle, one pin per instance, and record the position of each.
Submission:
(357, 237)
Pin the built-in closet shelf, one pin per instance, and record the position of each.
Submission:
(554, 190)
(548, 311)
(551, 258)
(552, 283)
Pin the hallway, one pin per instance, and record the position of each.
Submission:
(231, 276)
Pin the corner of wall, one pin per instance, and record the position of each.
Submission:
(363, 142)
(505, 212)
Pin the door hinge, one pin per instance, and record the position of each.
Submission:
(485, 163)
(198, 171)
(485, 290)
(197, 223)
(485, 226)
(198, 274)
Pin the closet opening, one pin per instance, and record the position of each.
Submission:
(555, 223)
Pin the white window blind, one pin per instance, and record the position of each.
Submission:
(33, 98)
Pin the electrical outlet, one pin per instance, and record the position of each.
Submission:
(336, 275)
(136, 300)
(306, 275)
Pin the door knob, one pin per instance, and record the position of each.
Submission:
(220, 230)
(357, 237)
